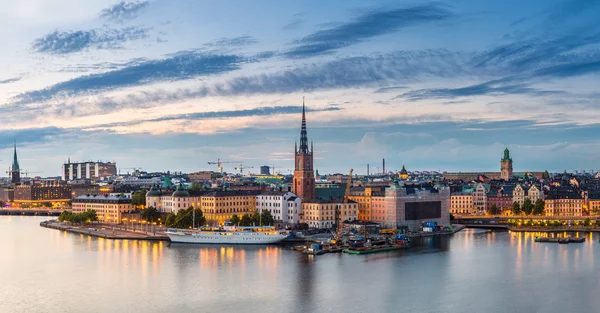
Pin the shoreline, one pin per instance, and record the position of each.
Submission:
(554, 230)
(102, 232)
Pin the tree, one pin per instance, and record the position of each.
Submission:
(527, 207)
(587, 222)
(150, 213)
(493, 209)
(196, 186)
(64, 216)
(170, 220)
(538, 207)
(90, 216)
(545, 175)
(264, 219)
(187, 218)
(46, 204)
(516, 208)
(246, 220)
(138, 198)
(235, 219)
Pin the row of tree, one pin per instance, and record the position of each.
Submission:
(527, 223)
(256, 219)
(186, 218)
(528, 208)
(150, 214)
(84, 217)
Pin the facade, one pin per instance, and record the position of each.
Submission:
(170, 201)
(519, 194)
(363, 196)
(506, 165)
(219, 206)
(304, 175)
(594, 204)
(203, 176)
(480, 204)
(502, 199)
(461, 203)
(108, 208)
(564, 204)
(15, 172)
(534, 193)
(410, 208)
(7, 194)
(78, 190)
(285, 207)
(265, 170)
(39, 193)
(378, 209)
(88, 170)
(322, 214)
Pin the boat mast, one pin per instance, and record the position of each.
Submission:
(193, 218)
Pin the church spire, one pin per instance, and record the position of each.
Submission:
(303, 136)
(15, 165)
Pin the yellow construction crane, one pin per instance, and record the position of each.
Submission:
(340, 220)
(220, 163)
(242, 167)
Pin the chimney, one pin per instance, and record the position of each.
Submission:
(367, 169)
(383, 166)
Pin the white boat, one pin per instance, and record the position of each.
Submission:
(227, 235)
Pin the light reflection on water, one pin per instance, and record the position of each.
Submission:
(45, 270)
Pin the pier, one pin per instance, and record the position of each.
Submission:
(105, 231)
(31, 212)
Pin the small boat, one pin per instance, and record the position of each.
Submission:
(577, 239)
(314, 249)
(542, 239)
(563, 240)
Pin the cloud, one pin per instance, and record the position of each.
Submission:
(124, 10)
(182, 65)
(66, 42)
(487, 88)
(244, 40)
(371, 24)
(10, 80)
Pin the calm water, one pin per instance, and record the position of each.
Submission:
(44, 270)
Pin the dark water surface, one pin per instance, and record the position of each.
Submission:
(44, 270)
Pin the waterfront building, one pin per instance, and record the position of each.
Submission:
(304, 175)
(38, 193)
(506, 166)
(480, 204)
(378, 208)
(322, 214)
(284, 206)
(563, 203)
(594, 203)
(410, 206)
(363, 196)
(88, 170)
(15, 172)
(7, 194)
(108, 208)
(78, 190)
(502, 198)
(462, 203)
(265, 170)
(169, 201)
(219, 206)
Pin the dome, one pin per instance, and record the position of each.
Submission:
(403, 170)
(180, 192)
(153, 192)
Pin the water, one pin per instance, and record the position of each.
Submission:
(44, 270)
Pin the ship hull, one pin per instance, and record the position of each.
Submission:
(241, 238)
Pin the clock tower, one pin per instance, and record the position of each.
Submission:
(304, 175)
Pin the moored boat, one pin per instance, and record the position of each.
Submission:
(229, 234)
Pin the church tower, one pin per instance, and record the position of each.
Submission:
(304, 175)
(15, 173)
(506, 166)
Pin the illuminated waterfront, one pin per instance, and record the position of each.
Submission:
(45, 270)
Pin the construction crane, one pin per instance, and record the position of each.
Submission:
(26, 172)
(242, 167)
(220, 163)
(340, 211)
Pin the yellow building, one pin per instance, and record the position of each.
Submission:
(108, 208)
(319, 213)
(594, 205)
(363, 196)
(219, 206)
(568, 204)
(461, 203)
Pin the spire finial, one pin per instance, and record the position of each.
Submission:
(303, 137)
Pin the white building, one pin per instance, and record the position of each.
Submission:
(480, 198)
(170, 201)
(285, 207)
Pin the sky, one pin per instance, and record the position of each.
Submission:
(171, 85)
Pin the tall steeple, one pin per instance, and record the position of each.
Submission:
(16, 171)
(303, 135)
(15, 165)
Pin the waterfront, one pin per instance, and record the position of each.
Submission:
(45, 270)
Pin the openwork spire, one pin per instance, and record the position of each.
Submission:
(303, 136)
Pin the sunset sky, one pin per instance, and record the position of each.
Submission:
(170, 85)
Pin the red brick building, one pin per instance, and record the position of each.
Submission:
(304, 175)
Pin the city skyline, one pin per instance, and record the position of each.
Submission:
(167, 86)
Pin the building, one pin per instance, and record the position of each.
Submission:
(403, 173)
(534, 193)
(108, 208)
(169, 201)
(78, 190)
(480, 204)
(284, 206)
(564, 203)
(36, 194)
(219, 206)
(594, 204)
(501, 198)
(410, 207)
(15, 172)
(322, 214)
(7, 194)
(378, 209)
(304, 175)
(519, 194)
(506, 166)
(88, 170)
(265, 170)
(203, 176)
(363, 196)
(461, 203)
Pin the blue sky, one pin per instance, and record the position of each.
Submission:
(171, 85)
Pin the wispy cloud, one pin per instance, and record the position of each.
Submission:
(66, 42)
(10, 80)
(371, 24)
(124, 10)
(183, 65)
(244, 40)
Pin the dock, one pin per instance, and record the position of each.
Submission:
(106, 232)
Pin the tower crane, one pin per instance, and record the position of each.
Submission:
(26, 172)
(242, 167)
(220, 163)
(340, 211)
